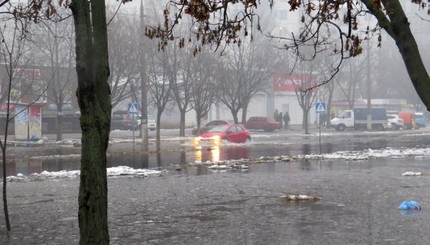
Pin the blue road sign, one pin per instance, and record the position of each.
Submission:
(133, 108)
(320, 107)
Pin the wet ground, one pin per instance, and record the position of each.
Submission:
(195, 205)
(180, 150)
(359, 205)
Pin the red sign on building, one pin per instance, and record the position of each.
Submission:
(293, 82)
(3, 106)
(27, 73)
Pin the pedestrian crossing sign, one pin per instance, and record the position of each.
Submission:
(132, 108)
(320, 107)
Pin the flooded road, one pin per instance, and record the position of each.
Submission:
(359, 205)
(194, 204)
(179, 151)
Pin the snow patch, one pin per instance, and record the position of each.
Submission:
(65, 174)
(410, 173)
(417, 153)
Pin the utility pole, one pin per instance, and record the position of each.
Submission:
(57, 87)
(144, 83)
(369, 95)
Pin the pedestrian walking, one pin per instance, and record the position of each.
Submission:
(286, 120)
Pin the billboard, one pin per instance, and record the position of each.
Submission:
(28, 121)
(292, 82)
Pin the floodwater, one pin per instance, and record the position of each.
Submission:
(28, 160)
(359, 205)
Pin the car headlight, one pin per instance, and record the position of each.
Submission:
(196, 141)
(216, 140)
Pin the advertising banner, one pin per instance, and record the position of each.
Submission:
(28, 122)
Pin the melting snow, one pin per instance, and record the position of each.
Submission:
(410, 173)
(111, 172)
(417, 153)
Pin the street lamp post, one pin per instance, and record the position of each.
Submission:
(369, 95)
(144, 84)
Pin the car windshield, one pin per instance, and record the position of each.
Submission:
(221, 128)
(345, 114)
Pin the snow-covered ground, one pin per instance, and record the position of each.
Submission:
(111, 172)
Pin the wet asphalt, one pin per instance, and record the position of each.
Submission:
(359, 204)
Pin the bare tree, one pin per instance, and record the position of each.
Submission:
(304, 81)
(123, 58)
(181, 76)
(94, 98)
(55, 42)
(204, 68)
(335, 25)
(160, 85)
(228, 91)
(326, 92)
(253, 65)
(12, 51)
(246, 71)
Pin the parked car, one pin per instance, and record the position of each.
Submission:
(208, 126)
(230, 132)
(394, 122)
(263, 123)
(408, 119)
(420, 119)
(123, 120)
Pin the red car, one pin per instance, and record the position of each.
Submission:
(208, 126)
(230, 132)
(262, 123)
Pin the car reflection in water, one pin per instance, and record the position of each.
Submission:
(216, 150)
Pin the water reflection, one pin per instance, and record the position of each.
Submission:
(218, 153)
(144, 160)
(27, 166)
(60, 159)
(158, 154)
(307, 149)
(183, 154)
(305, 165)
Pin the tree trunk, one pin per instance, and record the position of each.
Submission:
(5, 205)
(3, 146)
(182, 124)
(59, 124)
(244, 112)
(92, 66)
(303, 120)
(234, 114)
(157, 133)
(198, 119)
(306, 121)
